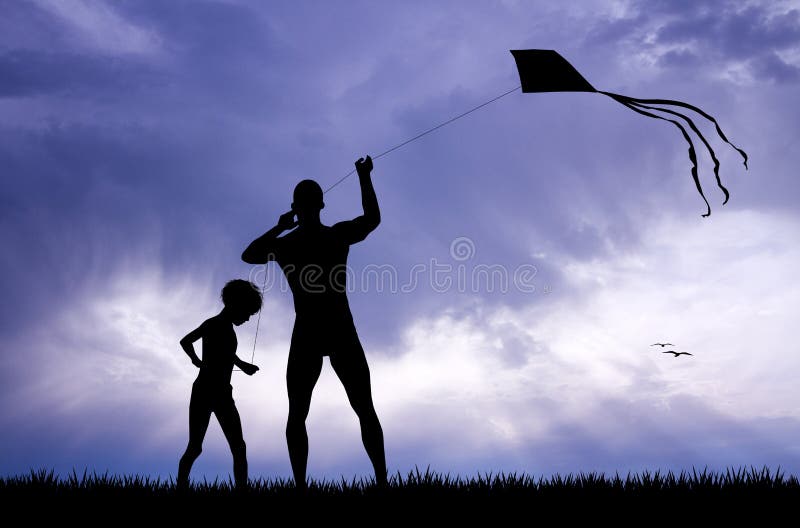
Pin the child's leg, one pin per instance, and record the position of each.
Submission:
(199, 416)
(231, 424)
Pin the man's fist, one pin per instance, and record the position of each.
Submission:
(364, 166)
(287, 221)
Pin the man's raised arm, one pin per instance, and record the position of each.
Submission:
(357, 229)
(264, 248)
(369, 201)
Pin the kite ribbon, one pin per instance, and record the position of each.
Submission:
(617, 97)
(642, 106)
(692, 154)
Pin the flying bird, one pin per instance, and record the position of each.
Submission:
(677, 353)
(662, 345)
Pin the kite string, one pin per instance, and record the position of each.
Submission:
(432, 129)
(382, 154)
(258, 321)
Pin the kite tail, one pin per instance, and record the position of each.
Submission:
(702, 138)
(692, 156)
(672, 102)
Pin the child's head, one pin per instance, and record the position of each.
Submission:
(242, 299)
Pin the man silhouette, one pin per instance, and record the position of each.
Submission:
(314, 257)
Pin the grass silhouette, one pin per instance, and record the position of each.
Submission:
(420, 491)
(417, 482)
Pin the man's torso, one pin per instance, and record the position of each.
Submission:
(314, 261)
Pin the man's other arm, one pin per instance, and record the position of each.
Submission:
(264, 248)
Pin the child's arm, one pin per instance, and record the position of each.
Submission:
(244, 366)
(187, 343)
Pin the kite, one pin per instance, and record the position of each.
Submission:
(547, 71)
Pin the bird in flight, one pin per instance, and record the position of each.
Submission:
(677, 353)
(662, 345)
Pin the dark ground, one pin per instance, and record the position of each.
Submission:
(423, 498)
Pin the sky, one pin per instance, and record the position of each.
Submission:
(528, 255)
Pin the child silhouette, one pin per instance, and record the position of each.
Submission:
(212, 391)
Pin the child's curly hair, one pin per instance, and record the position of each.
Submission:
(242, 294)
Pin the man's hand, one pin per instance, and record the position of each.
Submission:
(287, 221)
(197, 363)
(248, 368)
(364, 166)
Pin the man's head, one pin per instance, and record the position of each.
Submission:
(241, 299)
(307, 200)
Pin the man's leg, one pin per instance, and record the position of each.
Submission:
(231, 424)
(199, 416)
(351, 367)
(302, 374)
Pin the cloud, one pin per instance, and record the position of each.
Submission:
(707, 38)
(31, 73)
(98, 26)
(771, 66)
